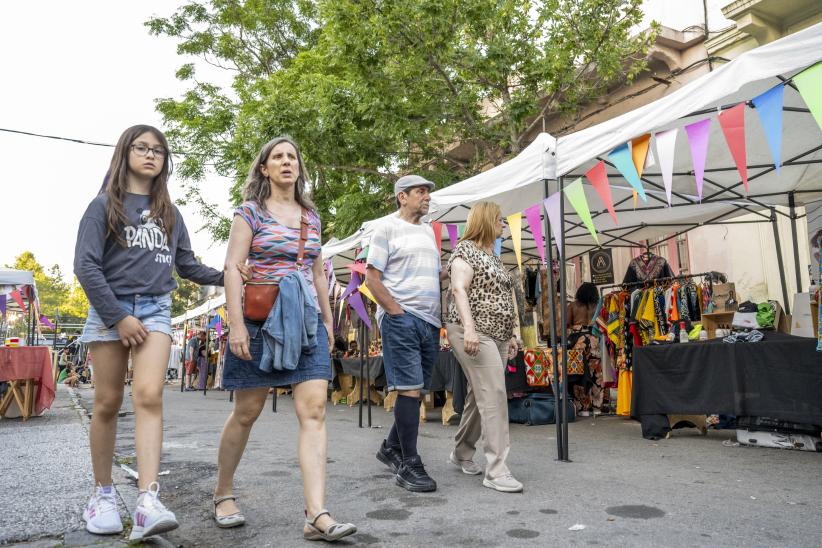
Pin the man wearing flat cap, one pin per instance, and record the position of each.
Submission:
(403, 273)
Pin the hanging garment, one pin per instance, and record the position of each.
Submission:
(647, 267)
(624, 393)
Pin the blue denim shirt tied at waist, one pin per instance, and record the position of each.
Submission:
(291, 327)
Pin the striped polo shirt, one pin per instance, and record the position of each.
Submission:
(408, 258)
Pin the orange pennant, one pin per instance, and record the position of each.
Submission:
(639, 151)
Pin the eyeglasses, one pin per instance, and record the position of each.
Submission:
(143, 150)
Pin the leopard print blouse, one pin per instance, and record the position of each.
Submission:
(489, 295)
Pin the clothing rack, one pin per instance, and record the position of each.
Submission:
(657, 280)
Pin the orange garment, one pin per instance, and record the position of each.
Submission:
(624, 393)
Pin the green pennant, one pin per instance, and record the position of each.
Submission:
(809, 82)
(362, 254)
(576, 195)
(461, 229)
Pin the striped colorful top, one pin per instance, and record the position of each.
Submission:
(274, 246)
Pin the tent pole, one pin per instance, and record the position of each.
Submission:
(563, 401)
(552, 320)
(205, 379)
(797, 269)
(779, 262)
(185, 347)
(360, 341)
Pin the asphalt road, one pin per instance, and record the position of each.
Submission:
(625, 491)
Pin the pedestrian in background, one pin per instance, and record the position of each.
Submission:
(480, 326)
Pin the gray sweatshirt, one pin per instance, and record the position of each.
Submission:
(107, 270)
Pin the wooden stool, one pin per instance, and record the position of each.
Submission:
(354, 395)
(699, 422)
(346, 386)
(427, 403)
(390, 401)
(21, 391)
(448, 409)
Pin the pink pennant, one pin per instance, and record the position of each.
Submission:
(732, 122)
(598, 178)
(551, 204)
(219, 327)
(453, 235)
(437, 227)
(357, 267)
(535, 222)
(45, 321)
(698, 133)
(18, 298)
(359, 307)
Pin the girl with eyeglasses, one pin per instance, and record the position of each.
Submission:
(130, 238)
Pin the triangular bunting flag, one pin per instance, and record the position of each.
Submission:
(809, 82)
(498, 247)
(533, 215)
(219, 327)
(367, 292)
(357, 267)
(515, 226)
(769, 109)
(363, 254)
(665, 145)
(598, 178)
(732, 122)
(359, 307)
(698, 133)
(353, 284)
(453, 235)
(551, 204)
(45, 321)
(3, 304)
(576, 195)
(437, 228)
(639, 152)
(461, 229)
(621, 158)
(18, 298)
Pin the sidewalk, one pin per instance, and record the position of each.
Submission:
(687, 491)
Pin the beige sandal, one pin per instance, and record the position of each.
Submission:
(335, 531)
(231, 520)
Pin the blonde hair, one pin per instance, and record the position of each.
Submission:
(482, 224)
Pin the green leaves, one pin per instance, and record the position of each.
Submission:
(372, 89)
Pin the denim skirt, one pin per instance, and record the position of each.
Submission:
(239, 374)
(153, 310)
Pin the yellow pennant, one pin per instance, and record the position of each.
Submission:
(515, 226)
(367, 292)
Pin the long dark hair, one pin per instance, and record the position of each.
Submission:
(116, 185)
(257, 186)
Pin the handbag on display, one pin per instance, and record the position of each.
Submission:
(576, 363)
(259, 296)
(536, 372)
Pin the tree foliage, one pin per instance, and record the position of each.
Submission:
(372, 89)
(53, 291)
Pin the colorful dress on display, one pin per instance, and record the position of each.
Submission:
(647, 267)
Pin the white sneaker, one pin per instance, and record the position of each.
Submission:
(504, 484)
(468, 466)
(150, 516)
(101, 514)
(584, 413)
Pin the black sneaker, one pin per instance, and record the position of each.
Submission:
(390, 455)
(412, 476)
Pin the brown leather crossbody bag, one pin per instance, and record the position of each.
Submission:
(259, 296)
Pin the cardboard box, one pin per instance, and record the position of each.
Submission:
(716, 320)
(722, 294)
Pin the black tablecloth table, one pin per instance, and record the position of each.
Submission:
(779, 377)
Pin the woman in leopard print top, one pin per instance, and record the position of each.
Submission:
(480, 326)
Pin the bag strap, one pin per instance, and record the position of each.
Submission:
(303, 237)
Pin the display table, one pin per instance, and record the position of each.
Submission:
(779, 377)
(26, 369)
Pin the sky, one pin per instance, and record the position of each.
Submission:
(88, 70)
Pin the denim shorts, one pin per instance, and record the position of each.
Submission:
(409, 347)
(239, 374)
(153, 310)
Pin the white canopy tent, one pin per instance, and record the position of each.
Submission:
(11, 280)
(538, 170)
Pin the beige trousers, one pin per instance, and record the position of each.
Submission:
(486, 405)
